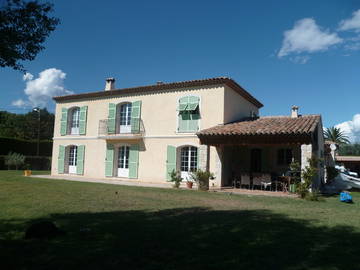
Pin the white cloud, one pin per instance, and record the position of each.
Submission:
(351, 128)
(307, 36)
(40, 90)
(28, 76)
(351, 24)
(19, 103)
(300, 59)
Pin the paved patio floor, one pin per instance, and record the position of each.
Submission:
(257, 192)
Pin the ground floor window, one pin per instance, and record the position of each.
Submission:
(123, 161)
(188, 161)
(72, 161)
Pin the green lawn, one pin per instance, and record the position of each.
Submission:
(148, 228)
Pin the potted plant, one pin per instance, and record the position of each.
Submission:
(202, 178)
(27, 171)
(176, 178)
(189, 184)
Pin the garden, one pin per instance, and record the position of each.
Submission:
(111, 226)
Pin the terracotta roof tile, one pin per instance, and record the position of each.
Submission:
(164, 86)
(269, 125)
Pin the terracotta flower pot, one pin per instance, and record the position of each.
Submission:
(27, 172)
(189, 184)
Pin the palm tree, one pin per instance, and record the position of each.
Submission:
(336, 135)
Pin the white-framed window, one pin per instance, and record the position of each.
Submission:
(72, 159)
(188, 161)
(74, 121)
(124, 118)
(123, 159)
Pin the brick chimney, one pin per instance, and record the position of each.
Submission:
(110, 84)
(294, 111)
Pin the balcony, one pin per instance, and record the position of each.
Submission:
(121, 132)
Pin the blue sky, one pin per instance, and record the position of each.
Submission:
(314, 65)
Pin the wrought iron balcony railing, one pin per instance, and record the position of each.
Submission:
(105, 131)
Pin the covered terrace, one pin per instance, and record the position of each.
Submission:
(259, 150)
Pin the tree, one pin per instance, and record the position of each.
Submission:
(24, 126)
(24, 26)
(336, 135)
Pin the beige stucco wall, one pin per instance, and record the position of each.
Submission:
(158, 110)
(160, 118)
(236, 106)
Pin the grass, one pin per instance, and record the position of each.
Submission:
(123, 227)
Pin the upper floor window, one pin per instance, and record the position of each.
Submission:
(189, 114)
(74, 120)
(123, 118)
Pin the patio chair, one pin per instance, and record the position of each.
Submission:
(245, 180)
(257, 179)
(266, 181)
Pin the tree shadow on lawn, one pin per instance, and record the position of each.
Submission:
(186, 238)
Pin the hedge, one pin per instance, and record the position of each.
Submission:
(35, 162)
(27, 148)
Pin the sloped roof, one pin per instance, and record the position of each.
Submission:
(165, 86)
(265, 129)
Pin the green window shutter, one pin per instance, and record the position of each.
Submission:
(193, 121)
(82, 121)
(184, 118)
(111, 118)
(193, 103)
(61, 159)
(80, 159)
(135, 116)
(183, 103)
(133, 161)
(63, 121)
(170, 161)
(109, 160)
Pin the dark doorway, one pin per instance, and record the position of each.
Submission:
(255, 160)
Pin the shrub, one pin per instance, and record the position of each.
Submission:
(176, 178)
(202, 178)
(308, 174)
(14, 159)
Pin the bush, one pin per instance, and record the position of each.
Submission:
(34, 162)
(308, 174)
(14, 159)
(202, 178)
(27, 148)
(176, 178)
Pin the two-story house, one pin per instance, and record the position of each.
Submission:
(143, 133)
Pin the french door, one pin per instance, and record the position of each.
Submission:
(125, 118)
(72, 158)
(123, 161)
(188, 162)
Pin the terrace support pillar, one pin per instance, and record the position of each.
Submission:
(306, 154)
(203, 157)
(219, 156)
